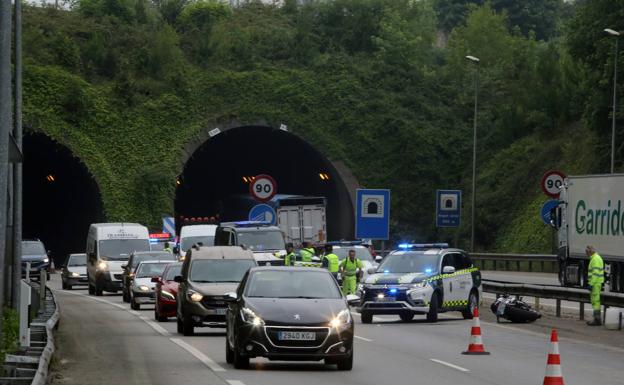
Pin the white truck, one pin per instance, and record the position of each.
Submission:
(591, 212)
(302, 219)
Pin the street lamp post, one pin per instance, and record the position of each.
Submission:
(476, 61)
(615, 34)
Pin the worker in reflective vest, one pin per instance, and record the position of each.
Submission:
(331, 261)
(350, 268)
(306, 252)
(290, 257)
(595, 279)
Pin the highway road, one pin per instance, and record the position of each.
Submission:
(101, 341)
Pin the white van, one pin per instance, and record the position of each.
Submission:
(108, 247)
(192, 234)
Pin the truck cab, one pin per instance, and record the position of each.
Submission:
(263, 239)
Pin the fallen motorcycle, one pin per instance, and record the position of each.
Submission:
(512, 308)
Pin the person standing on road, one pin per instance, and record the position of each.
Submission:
(306, 252)
(350, 269)
(595, 278)
(290, 257)
(167, 248)
(331, 261)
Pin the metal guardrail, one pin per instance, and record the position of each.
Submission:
(508, 259)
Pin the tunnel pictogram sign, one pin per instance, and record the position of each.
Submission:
(372, 215)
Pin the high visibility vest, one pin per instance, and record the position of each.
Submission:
(350, 268)
(333, 264)
(290, 259)
(306, 254)
(595, 271)
(168, 249)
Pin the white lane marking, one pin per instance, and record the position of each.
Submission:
(155, 326)
(199, 355)
(449, 365)
(363, 339)
(235, 382)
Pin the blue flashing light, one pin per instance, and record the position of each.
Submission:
(428, 270)
(249, 223)
(393, 291)
(404, 246)
(415, 246)
(386, 271)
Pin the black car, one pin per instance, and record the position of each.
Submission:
(133, 261)
(34, 252)
(289, 314)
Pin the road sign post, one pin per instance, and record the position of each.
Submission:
(264, 213)
(551, 183)
(372, 214)
(547, 208)
(263, 187)
(448, 208)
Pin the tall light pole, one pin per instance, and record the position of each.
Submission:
(476, 61)
(615, 34)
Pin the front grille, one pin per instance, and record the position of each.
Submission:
(272, 333)
(371, 294)
(212, 302)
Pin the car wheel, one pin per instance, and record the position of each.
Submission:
(63, 285)
(366, 317)
(124, 296)
(180, 326)
(432, 316)
(407, 316)
(98, 289)
(134, 305)
(240, 362)
(68, 287)
(48, 275)
(346, 363)
(91, 289)
(473, 303)
(229, 353)
(188, 327)
(157, 315)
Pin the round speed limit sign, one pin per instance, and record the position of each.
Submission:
(263, 187)
(552, 182)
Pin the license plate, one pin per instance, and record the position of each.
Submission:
(385, 299)
(297, 336)
(221, 311)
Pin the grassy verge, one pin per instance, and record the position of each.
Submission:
(10, 333)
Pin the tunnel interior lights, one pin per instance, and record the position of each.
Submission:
(248, 179)
(323, 176)
(50, 178)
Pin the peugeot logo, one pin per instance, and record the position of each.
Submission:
(297, 317)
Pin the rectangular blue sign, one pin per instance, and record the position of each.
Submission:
(372, 214)
(448, 208)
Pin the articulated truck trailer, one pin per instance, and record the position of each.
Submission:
(591, 212)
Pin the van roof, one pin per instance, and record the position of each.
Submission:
(116, 224)
(221, 252)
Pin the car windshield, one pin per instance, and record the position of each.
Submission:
(150, 270)
(219, 270)
(410, 262)
(33, 248)
(292, 283)
(114, 248)
(261, 240)
(138, 258)
(188, 242)
(360, 252)
(77, 260)
(172, 271)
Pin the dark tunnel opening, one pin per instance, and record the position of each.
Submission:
(61, 198)
(216, 177)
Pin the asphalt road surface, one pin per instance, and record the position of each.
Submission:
(101, 341)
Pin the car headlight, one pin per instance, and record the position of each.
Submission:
(166, 294)
(143, 288)
(419, 285)
(74, 274)
(250, 317)
(343, 318)
(46, 260)
(103, 266)
(194, 296)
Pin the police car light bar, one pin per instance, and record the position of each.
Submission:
(423, 246)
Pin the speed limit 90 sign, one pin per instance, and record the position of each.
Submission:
(552, 182)
(263, 187)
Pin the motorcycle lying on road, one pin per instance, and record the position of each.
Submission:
(512, 308)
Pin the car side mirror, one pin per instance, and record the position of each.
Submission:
(155, 279)
(371, 270)
(178, 279)
(448, 270)
(230, 297)
(378, 258)
(353, 299)
(124, 266)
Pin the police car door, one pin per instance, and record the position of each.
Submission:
(464, 281)
(449, 283)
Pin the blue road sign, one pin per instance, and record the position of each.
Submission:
(263, 213)
(372, 214)
(448, 208)
(547, 207)
(169, 225)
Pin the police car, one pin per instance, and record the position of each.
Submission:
(421, 279)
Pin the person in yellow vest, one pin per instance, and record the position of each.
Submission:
(595, 279)
(350, 270)
(306, 252)
(331, 261)
(167, 248)
(290, 257)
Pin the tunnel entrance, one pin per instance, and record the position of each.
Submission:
(215, 179)
(60, 197)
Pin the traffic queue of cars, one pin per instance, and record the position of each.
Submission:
(277, 312)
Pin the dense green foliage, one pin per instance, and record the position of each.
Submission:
(125, 84)
(10, 333)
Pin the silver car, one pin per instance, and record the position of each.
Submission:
(142, 286)
(75, 271)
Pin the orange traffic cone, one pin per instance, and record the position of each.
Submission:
(476, 344)
(553, 375)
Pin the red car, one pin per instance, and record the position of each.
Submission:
(166, 291)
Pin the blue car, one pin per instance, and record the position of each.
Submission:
(34, 252)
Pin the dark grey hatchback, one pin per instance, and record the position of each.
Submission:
(289, 314)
